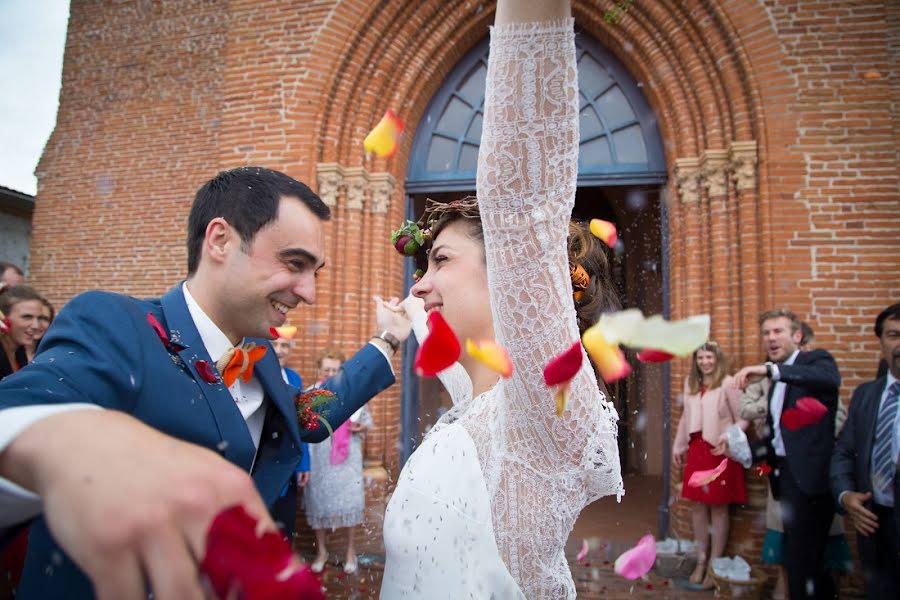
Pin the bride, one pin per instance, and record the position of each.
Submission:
(485, 505)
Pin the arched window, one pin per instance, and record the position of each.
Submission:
(620, 142)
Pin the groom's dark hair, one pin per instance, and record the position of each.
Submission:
(246, 197)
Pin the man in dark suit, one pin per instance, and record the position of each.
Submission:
(799, 458)
(864, 466)
(191, 424)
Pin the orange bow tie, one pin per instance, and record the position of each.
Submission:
(238, 362)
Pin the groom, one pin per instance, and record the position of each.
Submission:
(191, 406)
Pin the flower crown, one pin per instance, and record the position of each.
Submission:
(414, 238)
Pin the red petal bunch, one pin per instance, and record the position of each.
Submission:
(257, 567)
(807, 411)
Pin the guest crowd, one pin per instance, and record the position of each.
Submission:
(822, 460)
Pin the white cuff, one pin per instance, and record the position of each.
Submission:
(16, 503)
(386, 357)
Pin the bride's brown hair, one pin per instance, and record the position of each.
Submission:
(584, 249)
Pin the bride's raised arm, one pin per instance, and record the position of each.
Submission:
(527, 172)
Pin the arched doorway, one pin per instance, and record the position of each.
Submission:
(621, 178)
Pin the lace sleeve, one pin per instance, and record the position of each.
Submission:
(541, 470)
(527, 170)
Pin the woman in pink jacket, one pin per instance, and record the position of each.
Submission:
(711, 402)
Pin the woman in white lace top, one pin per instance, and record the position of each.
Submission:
(485, 505)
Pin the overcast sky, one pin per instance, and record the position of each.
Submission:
(32, 40)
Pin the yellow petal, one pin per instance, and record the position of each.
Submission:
(561, 397)
(382, 140)
(630, 328)
(286, 332)
(491, 354)
(605, 230)
(608, 357)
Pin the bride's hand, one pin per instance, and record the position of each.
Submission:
(413, 306)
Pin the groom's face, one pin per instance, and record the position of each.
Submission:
(276, 272)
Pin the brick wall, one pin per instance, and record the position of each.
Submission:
(159, 95)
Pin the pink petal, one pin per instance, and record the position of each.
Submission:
(701, 478)
(636, 562)
(582, 554)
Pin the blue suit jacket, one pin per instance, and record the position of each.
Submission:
(102, 349)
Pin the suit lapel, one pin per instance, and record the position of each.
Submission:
(237, 445)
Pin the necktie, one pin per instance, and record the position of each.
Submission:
(883, 459)
(238, 362)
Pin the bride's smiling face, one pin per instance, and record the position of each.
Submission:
(456, 283)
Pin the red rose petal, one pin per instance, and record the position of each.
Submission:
(807, 411)
(654, 356)
(563, 367)
(439, 350)
(259, 567)
(763, 469)
(206, 372)
(158, 328)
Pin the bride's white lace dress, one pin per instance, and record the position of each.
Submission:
(484, 506)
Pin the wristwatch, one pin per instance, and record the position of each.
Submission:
(390, 339)
(770, 369)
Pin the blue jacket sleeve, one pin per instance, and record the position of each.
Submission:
(360, 379)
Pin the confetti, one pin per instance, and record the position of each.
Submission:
(286, 332)
(256, 567)
(654, 356)
(630, 328)
(605, 231)
(609, 358)
(382, 140)
(582, 554)
(637, 561)
(701, 478)
(807, 411)
(439, 350)
(491, 354)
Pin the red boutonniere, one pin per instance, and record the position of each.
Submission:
(206, 372)
(256, 567)
(170, 345)
(763, 469)
(307, 402)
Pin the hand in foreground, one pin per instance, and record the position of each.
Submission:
(391, 319)
(749, 375)
(865, 521)
(131, 506)
(678, 460)
(302, 479)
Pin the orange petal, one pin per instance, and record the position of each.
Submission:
(382, 140)
(492, 354)
(608, 358)
(286, 332)
(605, 230)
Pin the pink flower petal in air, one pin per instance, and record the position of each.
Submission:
(701, 478)
(636, 562)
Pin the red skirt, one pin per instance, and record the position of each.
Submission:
(728, 488)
